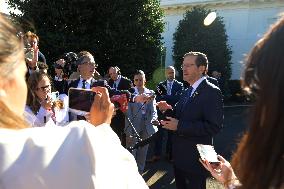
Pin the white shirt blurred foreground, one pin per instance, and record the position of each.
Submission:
(79, 156)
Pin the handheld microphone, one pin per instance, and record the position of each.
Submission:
(144, 142)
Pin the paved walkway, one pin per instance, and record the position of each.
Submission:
(160, 174)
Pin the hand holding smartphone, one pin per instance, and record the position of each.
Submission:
(102, 108)
(80, 100)
(208, 153)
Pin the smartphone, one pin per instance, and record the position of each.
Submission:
(208, 153)
(54, 96)
(29, 54)
(80, 100)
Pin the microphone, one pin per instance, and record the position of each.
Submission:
(143, 142)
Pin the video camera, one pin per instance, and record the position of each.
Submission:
(70, 63)
(70, 66)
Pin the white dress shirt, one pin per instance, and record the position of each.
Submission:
(79, 156)
(196, 84)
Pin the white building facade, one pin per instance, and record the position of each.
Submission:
(245, 21)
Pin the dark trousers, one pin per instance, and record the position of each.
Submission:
(117, 124)
(159, 142)
(169, 144)
(185, 180)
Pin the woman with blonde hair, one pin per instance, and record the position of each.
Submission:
(83, 155)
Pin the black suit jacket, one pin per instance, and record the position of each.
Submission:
(124, 84)
(199, 120)
(60, 86)
(96, 83)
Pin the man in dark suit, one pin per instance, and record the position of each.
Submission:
(86, 67)
(118, 82)
(197, 117)
(169, 91)
(220, 80)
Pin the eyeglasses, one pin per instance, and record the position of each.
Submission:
(187, 66)
(43, 88)
(90, 63)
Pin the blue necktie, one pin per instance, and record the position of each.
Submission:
(186, 96)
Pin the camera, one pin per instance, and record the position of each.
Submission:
(70, 66)
(29, 52)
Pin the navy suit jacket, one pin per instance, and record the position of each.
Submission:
(199, 120)
(213, 81)
(172, 99)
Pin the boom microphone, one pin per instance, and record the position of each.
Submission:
(144, 142)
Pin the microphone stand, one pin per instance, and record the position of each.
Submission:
(136, 135)
(140, 142)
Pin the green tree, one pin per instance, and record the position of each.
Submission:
(117, 32)
(193, 35)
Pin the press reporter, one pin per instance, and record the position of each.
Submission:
(32, 52)
(60, 83)
(139, 119)
(87, 67)
(41, 109)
